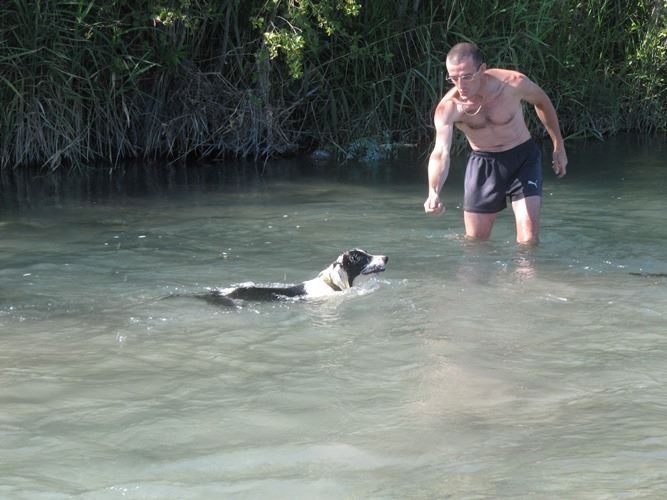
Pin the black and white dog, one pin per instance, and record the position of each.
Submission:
(339, 276)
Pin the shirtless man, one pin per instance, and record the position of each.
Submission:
(485, 104)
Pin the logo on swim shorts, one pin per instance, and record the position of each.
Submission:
(534, 183)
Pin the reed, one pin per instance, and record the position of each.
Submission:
(85, 82)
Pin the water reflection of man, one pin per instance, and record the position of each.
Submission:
(485, 104)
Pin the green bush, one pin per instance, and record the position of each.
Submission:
(84, 82)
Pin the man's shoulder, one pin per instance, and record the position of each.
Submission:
(450, 96)
(507, 76)
(447, 107)
(504, 72)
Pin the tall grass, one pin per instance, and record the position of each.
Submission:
(86, 82)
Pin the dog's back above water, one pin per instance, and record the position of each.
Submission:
(340, 275)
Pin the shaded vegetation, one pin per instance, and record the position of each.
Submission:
(85, 82)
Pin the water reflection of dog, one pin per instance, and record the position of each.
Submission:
(341, 275)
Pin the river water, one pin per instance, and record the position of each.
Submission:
(464, 371)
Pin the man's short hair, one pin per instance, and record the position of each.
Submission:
(465, 50)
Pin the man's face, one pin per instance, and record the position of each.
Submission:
(465, 74)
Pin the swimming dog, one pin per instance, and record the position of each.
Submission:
(339, 276)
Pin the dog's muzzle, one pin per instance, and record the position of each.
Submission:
(377, 265)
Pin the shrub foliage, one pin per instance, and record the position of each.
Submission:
(85, 82)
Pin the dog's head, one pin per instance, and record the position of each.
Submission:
(353, 263)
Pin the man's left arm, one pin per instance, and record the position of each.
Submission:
(533, 94)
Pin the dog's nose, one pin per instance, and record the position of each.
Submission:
(385, 259)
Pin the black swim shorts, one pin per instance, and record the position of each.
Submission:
(491, 178)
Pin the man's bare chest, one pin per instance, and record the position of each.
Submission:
(497, 114)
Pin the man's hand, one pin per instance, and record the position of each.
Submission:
(433, 205)
(559, 163)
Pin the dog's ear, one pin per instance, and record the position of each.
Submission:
(339, 278)
(344, 260)
(355, 256)
(350, 257)
(339, 274)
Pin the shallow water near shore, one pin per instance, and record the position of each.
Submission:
(464, 371)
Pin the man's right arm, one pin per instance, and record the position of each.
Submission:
(438, 163)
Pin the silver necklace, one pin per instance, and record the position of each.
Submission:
(473, 114)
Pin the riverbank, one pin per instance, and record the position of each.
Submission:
(93, 83)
